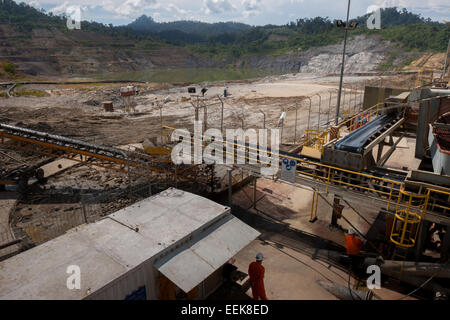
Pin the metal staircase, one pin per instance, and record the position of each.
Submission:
(406, 226)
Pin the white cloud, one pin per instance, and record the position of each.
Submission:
(436, 5)
(218, 6)
(70, 10)
(34, 4)
(176, 10)
(247, 11)
(129, 8)
(62, 8)
(251, 7)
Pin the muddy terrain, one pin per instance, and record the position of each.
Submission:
(76, 193)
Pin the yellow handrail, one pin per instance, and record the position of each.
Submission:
(374, 111)
(316, 139)
(407, 221)
(388, 188)
(446, 193)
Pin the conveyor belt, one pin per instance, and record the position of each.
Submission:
(304, 164)
(378, 186)
(85, 152)
(63, 141)
(356, 140)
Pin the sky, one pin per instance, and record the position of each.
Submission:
(253, 12)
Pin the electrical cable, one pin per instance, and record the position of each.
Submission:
(299, 249)
(417, 289)
(422, 285)
(348, 282)
(304, 263)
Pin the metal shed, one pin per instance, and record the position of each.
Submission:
(183, 237)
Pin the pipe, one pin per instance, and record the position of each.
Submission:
(8, 92)
(411, 268)
(264, 123)
(342, 67)
(296, 117)
(361, 101)
(221, 114)
(444, 92)
(230, 187)
(329, 109)
(309, 114)
(320, 102)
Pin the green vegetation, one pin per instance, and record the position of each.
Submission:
(228, 41)
(10, 69)
(186, 75)
(31, 92)
(422, 37)
(400, 26)
(388, 63)
(146, 24)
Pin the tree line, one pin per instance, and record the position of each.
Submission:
(230, 39)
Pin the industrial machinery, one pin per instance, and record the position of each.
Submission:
(349, 162)
(155, 166)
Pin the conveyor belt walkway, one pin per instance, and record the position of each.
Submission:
(372, 189)
(356, 140)
(136, 163)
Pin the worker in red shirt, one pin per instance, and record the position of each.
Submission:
(352, 243)
(256, 274)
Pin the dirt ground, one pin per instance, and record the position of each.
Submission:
(76, 111)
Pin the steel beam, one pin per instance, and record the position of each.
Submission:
(381, 161)
(383, 136)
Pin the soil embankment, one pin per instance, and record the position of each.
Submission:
(48, 53)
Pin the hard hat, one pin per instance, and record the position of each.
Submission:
(350, 231)
(259, 257)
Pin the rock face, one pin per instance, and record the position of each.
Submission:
(364, 54)
(56, 52)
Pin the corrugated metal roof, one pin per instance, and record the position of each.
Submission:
(399, 98)
(202, 256)
(107, 249)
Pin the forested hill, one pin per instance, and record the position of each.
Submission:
(236, 39)
(147, 24)
(35, 39)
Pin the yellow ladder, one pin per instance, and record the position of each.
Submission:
(409, 213)
(399, 257)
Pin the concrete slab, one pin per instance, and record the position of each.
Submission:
(8, 201)
(292, 275)
(403, 156)
(58, 166)
(292, 205)
(289, 275)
